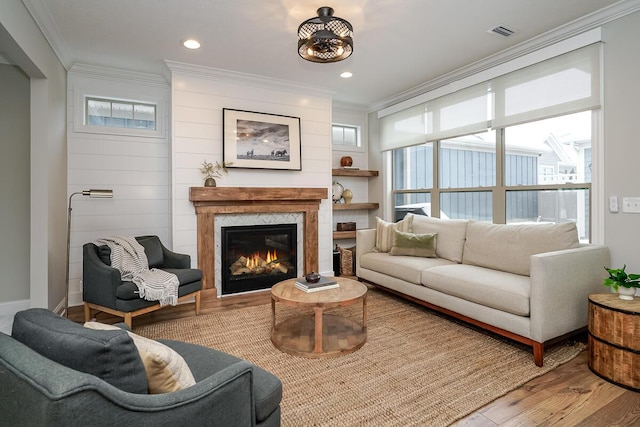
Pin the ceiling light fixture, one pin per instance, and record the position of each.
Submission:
(346, 75)
(325, 38)
(191, 44)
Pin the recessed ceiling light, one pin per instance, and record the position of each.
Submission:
(191, 44)
(346, 75)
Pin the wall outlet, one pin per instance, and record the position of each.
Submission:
(631, 204)
(613, 204)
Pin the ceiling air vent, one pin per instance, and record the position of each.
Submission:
(501, 30)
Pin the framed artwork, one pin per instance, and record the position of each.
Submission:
(260, 140)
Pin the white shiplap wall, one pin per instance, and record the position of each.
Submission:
(198, 96)
(136, 168)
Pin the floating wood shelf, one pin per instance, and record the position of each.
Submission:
(354, 206)
(337, 235)
(353, 172)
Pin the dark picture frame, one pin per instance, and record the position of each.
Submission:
(261, 140)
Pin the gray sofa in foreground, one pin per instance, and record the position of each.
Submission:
(108, 385)
(527, 282)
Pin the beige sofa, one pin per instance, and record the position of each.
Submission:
(527, 282)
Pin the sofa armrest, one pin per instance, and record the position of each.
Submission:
(365, 243)
(100, 281)
(561, 282)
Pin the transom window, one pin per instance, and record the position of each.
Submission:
(120, 114)
(345, 136)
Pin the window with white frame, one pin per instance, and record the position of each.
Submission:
(345, 136)
(120, 114)
(509, 156)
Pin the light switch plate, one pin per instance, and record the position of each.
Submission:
(631, 204)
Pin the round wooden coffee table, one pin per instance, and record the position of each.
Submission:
(318, 334)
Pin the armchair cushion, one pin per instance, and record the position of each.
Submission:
(109, 355)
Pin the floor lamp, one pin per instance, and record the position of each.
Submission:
(101, 194)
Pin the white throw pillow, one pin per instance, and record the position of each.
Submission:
(166, 369)
(384, 232)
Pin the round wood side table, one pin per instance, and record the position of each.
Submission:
(614, 339)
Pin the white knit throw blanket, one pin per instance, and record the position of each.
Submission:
(128, 256)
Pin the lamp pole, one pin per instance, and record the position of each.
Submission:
(91, 193)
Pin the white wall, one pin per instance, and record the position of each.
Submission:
(198, 96)
(136, 168)
(22, 41)
(621, 135)
(14, 184)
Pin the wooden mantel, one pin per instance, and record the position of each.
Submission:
(212, 201)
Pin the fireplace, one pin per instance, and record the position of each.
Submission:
(256, 257)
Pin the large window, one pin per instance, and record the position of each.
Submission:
(529, 173)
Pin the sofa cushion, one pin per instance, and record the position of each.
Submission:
(166, 369)
(451, 234)
(384, 232)
(508, 247)
(109, 355)
(410, 244)
(407, 268)
(496, 289)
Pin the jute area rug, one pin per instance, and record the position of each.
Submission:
(417, 368)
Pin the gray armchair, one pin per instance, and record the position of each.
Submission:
(104, 290)
(53, 373)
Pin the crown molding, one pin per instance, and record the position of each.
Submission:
(571, 29)
(246, 79)
(41, 14)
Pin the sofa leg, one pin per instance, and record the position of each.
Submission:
(198, 303)
(538, 353)
(87, 312)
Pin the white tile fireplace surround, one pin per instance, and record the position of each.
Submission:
(234, 220)
(216, 205)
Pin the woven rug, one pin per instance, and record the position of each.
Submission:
(417, 368)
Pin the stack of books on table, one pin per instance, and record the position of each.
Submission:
(322, 285)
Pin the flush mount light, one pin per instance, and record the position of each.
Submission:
(346, 75)
(325, 38)
(191, 44)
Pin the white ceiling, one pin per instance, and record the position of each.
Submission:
(398, 44)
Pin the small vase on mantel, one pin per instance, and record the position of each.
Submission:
(210, 182)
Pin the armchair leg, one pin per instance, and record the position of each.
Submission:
(128, 319)
(198, 303)
(87, 312)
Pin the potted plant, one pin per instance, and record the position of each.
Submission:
(621, 282)
(211, 171)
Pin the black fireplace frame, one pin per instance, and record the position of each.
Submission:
(229, 285)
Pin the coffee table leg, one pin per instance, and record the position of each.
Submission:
(273, 315)
(364, 312)
(318, 329)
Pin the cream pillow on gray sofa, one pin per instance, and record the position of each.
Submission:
(508, 247)
(451, 234)
(384, 232)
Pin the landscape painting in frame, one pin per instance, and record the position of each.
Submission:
(261, 140)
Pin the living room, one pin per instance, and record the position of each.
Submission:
(151, 180)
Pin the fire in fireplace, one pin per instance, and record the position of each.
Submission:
(257, 256)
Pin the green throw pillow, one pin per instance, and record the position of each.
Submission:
(422, 245)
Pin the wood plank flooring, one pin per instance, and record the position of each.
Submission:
(570, 395)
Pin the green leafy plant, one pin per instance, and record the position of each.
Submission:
(209, 170)
(618, 277)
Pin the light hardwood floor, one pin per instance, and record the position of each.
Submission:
(570, 395)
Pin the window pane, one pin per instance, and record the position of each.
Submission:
(144, 112)
(554, 206)
(98, 108)
(345, 135)
(413, 167)
(121, 111)
(468, 161)
(476, 205)
(552, 151)
(415, 203)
